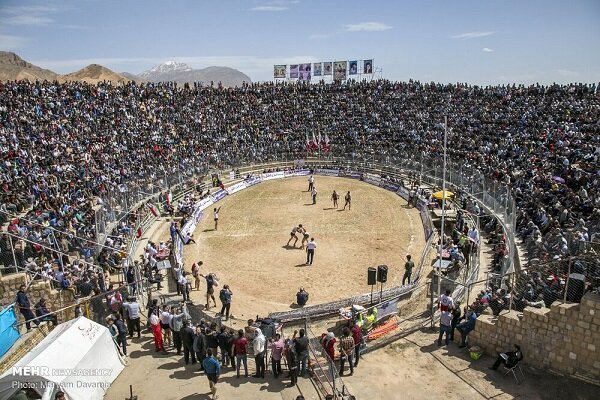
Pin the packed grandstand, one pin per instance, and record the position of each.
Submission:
(66, 147)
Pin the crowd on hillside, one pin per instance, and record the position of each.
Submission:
(69, 149)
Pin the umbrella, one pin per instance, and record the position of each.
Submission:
(558, 179)
(443, 194)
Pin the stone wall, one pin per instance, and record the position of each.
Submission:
(564, 338)
(55, 299)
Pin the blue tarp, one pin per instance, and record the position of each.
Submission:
(9, 333)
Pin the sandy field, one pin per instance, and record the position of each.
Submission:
(249, 252)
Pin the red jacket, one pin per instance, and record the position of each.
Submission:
(356, 334)
(329, 346)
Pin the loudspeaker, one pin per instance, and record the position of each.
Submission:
(371, 276)
(382, 273)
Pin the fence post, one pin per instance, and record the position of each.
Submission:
(12, 248)
(567, 282)
(431, 300)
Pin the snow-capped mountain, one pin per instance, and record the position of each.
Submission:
(163, 71)
(172, 71)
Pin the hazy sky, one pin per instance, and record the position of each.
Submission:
(475, 41)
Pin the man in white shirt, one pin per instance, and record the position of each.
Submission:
(314, 195)
(445, 326)
(310, 251)
(474, 236)
(446, 302)
(311, 183)
(133, 316)
(216, 216)
(183, 286)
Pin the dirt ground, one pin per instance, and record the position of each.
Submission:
(249, 252)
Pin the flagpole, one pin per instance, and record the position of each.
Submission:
(439, 283)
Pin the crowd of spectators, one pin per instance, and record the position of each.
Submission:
(69, 149)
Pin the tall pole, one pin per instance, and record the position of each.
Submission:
(439, 285)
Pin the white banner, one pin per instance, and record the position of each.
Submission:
(204, 203)
(297, 172)
(236, 188)
(272, 175)
(327, 171)
(372, 179)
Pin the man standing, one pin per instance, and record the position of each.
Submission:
(334, 198)
(446, 302)
(25, 308)
(259, 346)
(210, 290)
(445, 326)
(408, 267)
(310, 251)
(346, 351)
(314, 195)
(357, 338)
(156, 330)
(183, 286)
(301, 347)
(311, 183)
(122, 329)
(348, 200)
(177, 324)
(213, 370)
(199, 345)
(133, 316)
(240, 349)
(216, 216)
(225, 297)
(276, 347)
(292, 362)
(187, 340)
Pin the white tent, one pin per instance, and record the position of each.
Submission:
(78, 357)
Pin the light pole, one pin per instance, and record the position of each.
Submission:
(439, 283)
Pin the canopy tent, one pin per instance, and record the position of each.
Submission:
(441, 194)
(78, 357)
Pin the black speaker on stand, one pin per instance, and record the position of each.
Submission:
(382, 271)
(371, 279)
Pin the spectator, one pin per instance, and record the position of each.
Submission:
(240, 349)
(43, 314)
(466, 327)
(259, 346)
(302, 297)
(346, 351)
(301, 348)
(225, 297)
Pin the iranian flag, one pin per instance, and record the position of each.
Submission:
(320, 142)
(152, 209)
(315, 144)
(308, 143)
(326, 145)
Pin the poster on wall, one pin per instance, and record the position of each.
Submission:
(353, 68)
(304, 73)
(279, 71)
(294, 71)
(327, 69)
(339, 70)
(317, 69)
(368, 67)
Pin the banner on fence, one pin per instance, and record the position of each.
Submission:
(327, 171)
(391, 186)
(218, 195)
(297, 172)
(372, 179)
(252, 180)
(350, 174)
(272, 175)
(204, 203)
(403, 192)
(236, 188)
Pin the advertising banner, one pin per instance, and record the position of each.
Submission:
(372, 179)
(204, 203)
(304, 73)
(294, 71)
(403, 192)
(327, 171)
(339, 70)
(218, 195)
(272, 175)
(317, 69)
(391, 186)
(350, 174)
(253, 180)
(236, 188)
(279, 71)
(297, 172)
(353, 68)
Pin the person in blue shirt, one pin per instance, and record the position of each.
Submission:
(466, 327)
(25, 308)
(212, 368)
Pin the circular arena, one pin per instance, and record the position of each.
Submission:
(249, 251)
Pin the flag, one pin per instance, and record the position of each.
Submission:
(313, 143)
(320, 142)
(152, 209)
(307, 143)
(326, 145)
